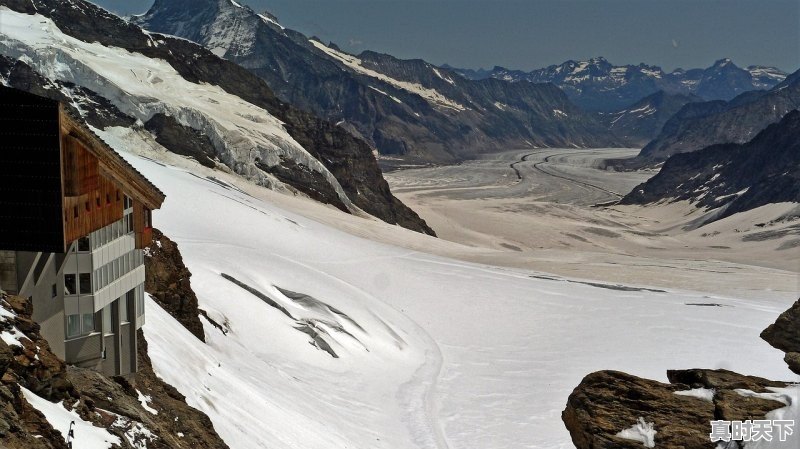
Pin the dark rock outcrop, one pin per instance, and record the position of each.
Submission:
(732, 176)
(784, 334)
(332, 145)
(182, 140)
(167, 280)
(607, 402)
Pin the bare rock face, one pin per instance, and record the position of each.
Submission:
(142, 410)
(31, 365)
(784, 334)
(607, 402)
(167, 281)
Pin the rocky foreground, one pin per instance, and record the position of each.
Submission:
(163, 421)
(609, 402)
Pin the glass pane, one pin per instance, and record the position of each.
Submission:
(73, 325)
(85, 283)
(69, 284)
(88, 323)
(83, 244)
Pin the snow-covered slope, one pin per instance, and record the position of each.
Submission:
(430, 352)
(142, 87)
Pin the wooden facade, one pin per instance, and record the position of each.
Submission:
(64, 181)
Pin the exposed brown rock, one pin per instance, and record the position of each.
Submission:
(109, 403)
(34, 367)
(607, 402)
(167, 281)
(784, 334)
(720, 379)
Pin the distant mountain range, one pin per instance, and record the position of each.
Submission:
(732, 177)
(406, 108)
(642, 121)
(698, 125)
(598, 85)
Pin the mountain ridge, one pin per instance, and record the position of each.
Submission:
(732, 177)
(326, 159)
(598, 85)
(402, 108)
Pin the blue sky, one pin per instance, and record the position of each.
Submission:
(536, 33)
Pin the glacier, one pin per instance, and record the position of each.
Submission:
(431, 352)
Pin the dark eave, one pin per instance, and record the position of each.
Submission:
(137, 186)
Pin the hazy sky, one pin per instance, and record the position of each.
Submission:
(536, 33)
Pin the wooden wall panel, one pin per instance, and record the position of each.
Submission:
(92, 200)
(142, 229)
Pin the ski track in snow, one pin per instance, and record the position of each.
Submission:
(453, 354)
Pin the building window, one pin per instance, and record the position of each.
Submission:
(75, 211)
(86, 204)
(73, 325)
(85, 283)
(97, 201)
(70, 287)
(128, 203)
(108, 198)
(83, 244)
(54, 291)
(88, 323)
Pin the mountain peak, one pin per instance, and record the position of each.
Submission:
(724, 62)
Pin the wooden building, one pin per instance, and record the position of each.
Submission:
(74, 219)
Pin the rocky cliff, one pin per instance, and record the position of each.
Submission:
(784, 334)
(732, 178)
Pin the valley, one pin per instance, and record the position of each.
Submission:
(548, 210)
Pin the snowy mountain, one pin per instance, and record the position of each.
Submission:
(196, 104)
(406, 108)
(643, 120)
(730, 178)
(698, 125)
(598, 85)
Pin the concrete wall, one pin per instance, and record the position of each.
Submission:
(111, 348)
